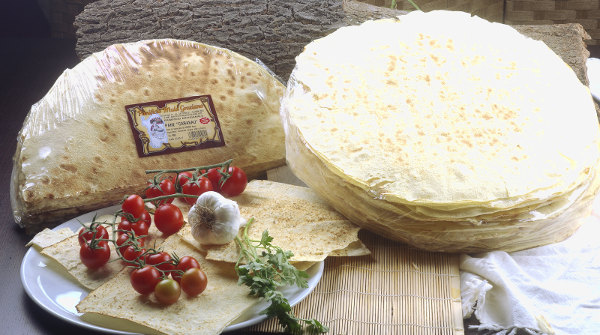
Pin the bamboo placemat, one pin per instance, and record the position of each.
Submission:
(396, 290)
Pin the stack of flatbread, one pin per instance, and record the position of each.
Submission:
(444, 131)
(77, 151)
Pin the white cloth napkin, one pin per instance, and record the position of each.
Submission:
(554, 289)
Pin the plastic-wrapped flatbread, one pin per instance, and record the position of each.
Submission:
(451, 133)
(136, 106)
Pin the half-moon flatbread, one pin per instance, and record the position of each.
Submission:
(76, 151)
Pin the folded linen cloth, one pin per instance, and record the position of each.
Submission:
(553, 289)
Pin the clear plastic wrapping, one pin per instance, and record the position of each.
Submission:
(446, 141)
(137, 106)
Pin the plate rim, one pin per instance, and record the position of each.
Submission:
(76, 318)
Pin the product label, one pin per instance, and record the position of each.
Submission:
(168, 126)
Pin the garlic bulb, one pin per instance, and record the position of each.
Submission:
(214, 219)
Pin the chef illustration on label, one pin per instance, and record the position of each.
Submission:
(156, 130)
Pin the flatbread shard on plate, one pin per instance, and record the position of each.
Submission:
(208, 313)
(77, 152)
(451, 134)
(65, 253)
(48, 237)
(296, 218)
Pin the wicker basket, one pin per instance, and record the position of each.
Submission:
(584, 12)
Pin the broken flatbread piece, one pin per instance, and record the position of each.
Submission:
(296, 218)
(208, 313)
(66, 254)
(48, 237)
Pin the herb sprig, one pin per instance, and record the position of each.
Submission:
(265, 268)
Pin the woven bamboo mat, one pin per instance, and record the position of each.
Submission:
(396, 290)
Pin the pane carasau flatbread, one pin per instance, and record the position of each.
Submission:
(118, 306)
(452, 133)
(76, 150)
(65, 253)
(296, 218)
(48, 237)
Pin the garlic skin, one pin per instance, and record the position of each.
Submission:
(214, 219)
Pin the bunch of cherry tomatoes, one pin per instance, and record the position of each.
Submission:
(156, 271)
(230, 183)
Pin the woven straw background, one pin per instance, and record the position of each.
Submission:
(396, 290)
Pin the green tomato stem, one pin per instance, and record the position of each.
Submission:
(171, 196)
(206, 167)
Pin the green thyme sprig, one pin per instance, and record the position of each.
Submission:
(264, 268)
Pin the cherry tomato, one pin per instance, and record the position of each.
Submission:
(183, 177)
(236, 183)
(125, 239)
(134, 205)
(167, 291)
(168, 219)
(215, 178)
(131, 253)
(185, 263)
(123, 242)
(140, 228)
(144, 280)
(193, 281)
(94, 255)
(196, 188)
(165, 187)
(125, 225)
(162, 261)
(146, 217)
(86, 234)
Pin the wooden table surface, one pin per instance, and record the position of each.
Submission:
(29, 66)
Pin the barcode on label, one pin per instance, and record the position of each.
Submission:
(194, 134)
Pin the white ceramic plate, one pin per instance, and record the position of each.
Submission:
(59, 295)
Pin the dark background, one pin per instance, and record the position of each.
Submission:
(30, 62)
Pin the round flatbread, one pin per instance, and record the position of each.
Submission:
(440, 117)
